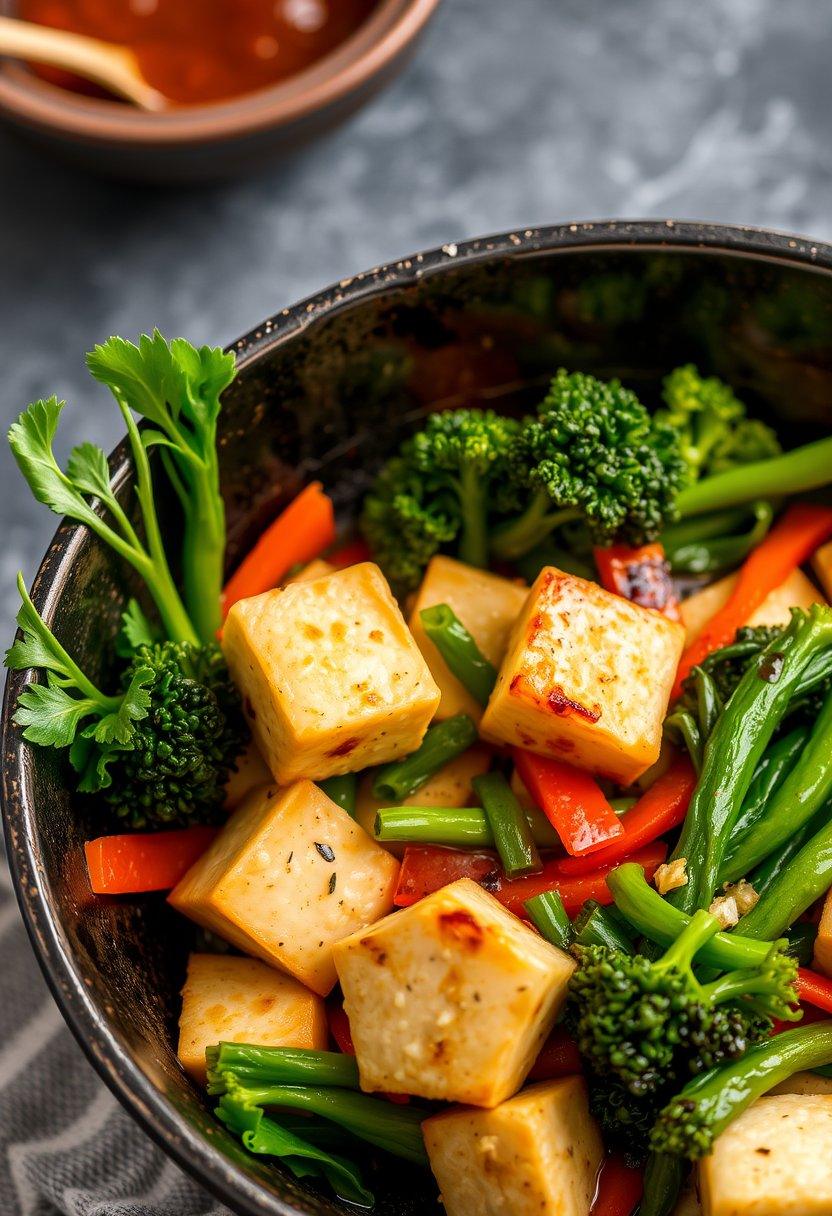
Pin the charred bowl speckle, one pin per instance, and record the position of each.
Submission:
(325, 390)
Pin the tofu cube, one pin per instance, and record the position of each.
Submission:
(803, 1083)
(450, 786)
(239, 1000)
(774, 1160)
(823, 941)
(797, 591)
(251, 772)
(486, 604)
(315, 569)
(537, 1153)
(331, 679)
(288, 876)
(450, 998)
(822, 566)
(587, 678)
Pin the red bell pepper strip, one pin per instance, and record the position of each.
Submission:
(350, 554)
(153, 861)
(427, 868)
(657, 811)
(620, 1187)
(558, 1057)
(791, 541)
(571, 800)
(640, 575)
(814, 989)
(299, 533)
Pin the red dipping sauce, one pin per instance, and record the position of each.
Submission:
(195, 51)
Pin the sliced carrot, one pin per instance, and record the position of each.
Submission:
(300, 533)
(152, 861)
(792, 541)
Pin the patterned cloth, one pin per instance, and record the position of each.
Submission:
(66, 1145)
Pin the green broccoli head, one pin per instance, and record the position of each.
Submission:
(643, 1022)
(713, 431)
(594, 454)
(439, 489)
(727, 666)
(182, 752)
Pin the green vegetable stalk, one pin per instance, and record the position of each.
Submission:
(257, 1066)
(343, 791)
(741, 735)
(442, 742)
(547, 913)
(464, 827)
(801, 881)
(509, 826)
(460, 652)
(795, 472)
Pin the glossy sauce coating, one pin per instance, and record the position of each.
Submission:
(193, 51)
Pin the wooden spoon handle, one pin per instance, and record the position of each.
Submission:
(114, 67)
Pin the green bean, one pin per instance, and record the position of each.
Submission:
(549, 915)
(806, 877)
(441, 743)
(463, 827)
(510, 828)
(343, 790)
(461, 654)
(598, 926)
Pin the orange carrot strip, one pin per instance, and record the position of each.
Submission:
(299, 534)
(791, 541)
(153, 861)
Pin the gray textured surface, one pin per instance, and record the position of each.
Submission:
(516, 113)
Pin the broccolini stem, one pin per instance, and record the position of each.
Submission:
(462, 827)
(509, 826)
(804, 468)
(805, 878)
(442, 742)
(765, 874)
(203, 552)
(512, 540)
(775, 766)
(714, 552)
(473, 542)
(657, 920)
(691, 1122)
(396, 1129)
(697, 933)
(735, 748)
(549, 915)
(256, 1066)
(460, 653)
(802, 793)
(342, 790)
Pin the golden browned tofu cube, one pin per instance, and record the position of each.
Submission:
(823, 941)
(331, 679)
(450, 998)
(251, 772)
(486, 604)
(315, 569)
(240, 1000)
(773, 1160)
(797, 591)
(288, 876)
(586, 679)
(534, 1154)
(450, 786)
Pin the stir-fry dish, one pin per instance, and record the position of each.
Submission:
(508, 815)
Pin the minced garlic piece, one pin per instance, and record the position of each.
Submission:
(739, 898)
(671, 875)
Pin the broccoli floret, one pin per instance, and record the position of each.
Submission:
(644, 1023)
(690, 1123)
(438, 489)
(181, 753)
(713, 431)
(727, 666)
(593, 453)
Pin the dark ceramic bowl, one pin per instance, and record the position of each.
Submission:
(325, 389)
(223, 139)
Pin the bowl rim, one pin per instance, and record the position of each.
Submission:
(379, 42)
(102, 1045)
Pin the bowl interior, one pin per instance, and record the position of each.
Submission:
(326, 390)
